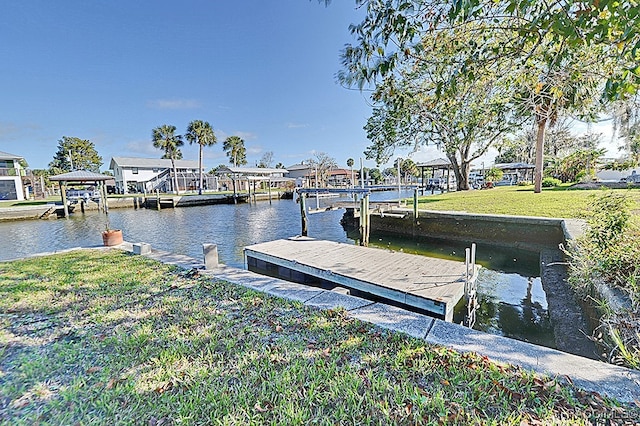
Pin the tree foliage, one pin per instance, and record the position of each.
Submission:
(201, 133)
(266, 161)
(626, 116)
(323, 164)
(548, 58)
(578, 165)
(164, 137)
(236, 152)
(413, 108)
(75, 154)
(494, 174)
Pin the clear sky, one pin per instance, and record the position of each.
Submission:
(112, 70)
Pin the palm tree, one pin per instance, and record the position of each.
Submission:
(237, 153)
(350, 164)
(200, 132)
(164, 138)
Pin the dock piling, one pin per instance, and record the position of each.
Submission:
(303, 214)
(210, 252)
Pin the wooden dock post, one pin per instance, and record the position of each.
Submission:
(63, 194)
(365, 220)
(158, 199)
(415, 206)
(103, 195)
(303, 214)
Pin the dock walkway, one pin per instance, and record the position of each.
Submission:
(429, 284)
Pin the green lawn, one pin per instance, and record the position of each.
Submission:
(94, 337)
(521, 201)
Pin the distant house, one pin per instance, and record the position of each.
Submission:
(339, 177)
(246, 178)
(11, 173)
(625, 176)
(301, 172)
(140, 175)
(305, 175)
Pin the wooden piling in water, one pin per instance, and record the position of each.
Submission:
(303, 214)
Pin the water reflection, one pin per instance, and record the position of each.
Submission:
(512, 301)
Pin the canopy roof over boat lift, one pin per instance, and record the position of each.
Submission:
(81, 176)
(436, 164)
(253, 174)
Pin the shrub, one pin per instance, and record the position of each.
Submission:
(525, 183)
(609, 253)
(550, 182)
(493, 175)
(608, 220)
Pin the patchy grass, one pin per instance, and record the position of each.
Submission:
(95, 337)
(28, 203)
(521, 201)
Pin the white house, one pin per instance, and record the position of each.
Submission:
(150, 174)
(11, 172)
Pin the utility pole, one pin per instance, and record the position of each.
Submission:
(399, 182)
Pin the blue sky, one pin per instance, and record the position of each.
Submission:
(112, 70)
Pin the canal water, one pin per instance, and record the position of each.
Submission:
(512, 301)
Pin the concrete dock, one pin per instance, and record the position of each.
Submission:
(430, 285)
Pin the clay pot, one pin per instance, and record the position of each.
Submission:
(112, 237)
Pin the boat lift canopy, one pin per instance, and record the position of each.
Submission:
(81, 176)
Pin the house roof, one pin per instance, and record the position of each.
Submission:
(299, 166)
(251, 170)
(514, 166)
(438, 162)
(338, 172)
(7, 156)
(150, 163)
(80, 176)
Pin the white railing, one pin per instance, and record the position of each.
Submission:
(471, 286)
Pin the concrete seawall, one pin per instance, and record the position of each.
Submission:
(533, 233)
(53, 210)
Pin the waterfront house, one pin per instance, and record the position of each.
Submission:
(339, 178)
(139, 175)
(301, 173)
(12, 169)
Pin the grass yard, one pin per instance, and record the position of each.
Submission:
(95, 337)
(521, 201)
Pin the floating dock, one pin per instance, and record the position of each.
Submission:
(431, 285)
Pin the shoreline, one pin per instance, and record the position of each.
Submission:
(53, 210)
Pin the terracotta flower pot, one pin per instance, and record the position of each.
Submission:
(112, 237)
